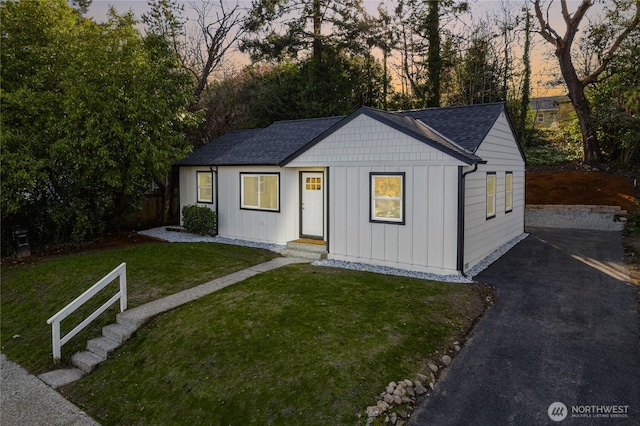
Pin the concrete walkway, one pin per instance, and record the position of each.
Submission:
(26, 400)
(564, 329)
(31, 401)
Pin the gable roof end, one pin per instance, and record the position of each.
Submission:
(405, 124)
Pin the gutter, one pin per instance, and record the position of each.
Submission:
(461, 204)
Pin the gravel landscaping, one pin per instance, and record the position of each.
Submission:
(581, 217)
(495, 255)
(185, 237)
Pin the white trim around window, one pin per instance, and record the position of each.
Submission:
(387, 198)
(204, 181)
(260, 191)
(491, 194)
(508, 192)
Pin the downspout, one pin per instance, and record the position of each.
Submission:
(216, 196)
(461, 204)
(326, 186)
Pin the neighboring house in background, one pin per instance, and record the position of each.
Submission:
(549, 111)
(432, 190)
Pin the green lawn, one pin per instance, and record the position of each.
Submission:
(30, 294)
(300, 345)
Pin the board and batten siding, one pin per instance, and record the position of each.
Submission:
(257, 225)
(189, 187)
(252, 225)
(428, 240)
(482, 235)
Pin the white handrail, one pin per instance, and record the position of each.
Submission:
(57, 342)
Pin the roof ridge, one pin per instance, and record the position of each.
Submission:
(254, 129)
(306, 119)
(451, 107)
(443, 136)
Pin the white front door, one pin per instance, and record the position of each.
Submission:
(312, 215)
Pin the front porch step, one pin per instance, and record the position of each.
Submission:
(86, 361)
(98, 349)
(116, 332)
(102, 346)
(306, 249)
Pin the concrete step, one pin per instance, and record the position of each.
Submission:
(132, 320)
(317, 247)
(311, 255)
(86, 361)
(102, 346)
(61, 377)
(116, 332)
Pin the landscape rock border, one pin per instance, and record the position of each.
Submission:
(400, 398)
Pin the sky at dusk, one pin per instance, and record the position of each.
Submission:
(544, 65)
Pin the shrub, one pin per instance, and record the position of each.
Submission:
(199, 220)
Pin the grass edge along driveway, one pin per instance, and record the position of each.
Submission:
(298, 345)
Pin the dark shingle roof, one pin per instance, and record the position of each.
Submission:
(276, 142)
(209, 153)
(457, 131)
(267, 146)
(466, 125)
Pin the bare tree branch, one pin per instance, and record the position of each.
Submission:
(217, 37)
(546, 31)
(614, 47)
(574, 22)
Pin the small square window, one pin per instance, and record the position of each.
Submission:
(313, 184)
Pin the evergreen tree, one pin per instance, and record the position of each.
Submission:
(91, 114)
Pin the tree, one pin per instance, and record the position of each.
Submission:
(81, 6)
(289, 29)
(91, 114)
(201, 53)
(526, 79)
(219, 27)
(477, 76)
(265, 93)
(434, 60)
(575, 84)
(424, 34)
(615, 100)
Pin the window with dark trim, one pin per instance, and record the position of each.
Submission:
(260, 191)
(508, 192)
(205, 187)
(491, 194)
(387, 198)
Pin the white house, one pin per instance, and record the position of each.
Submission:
(432, 190)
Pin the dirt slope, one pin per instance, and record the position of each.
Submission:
(580, 187)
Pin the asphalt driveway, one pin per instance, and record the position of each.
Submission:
(564, 329)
